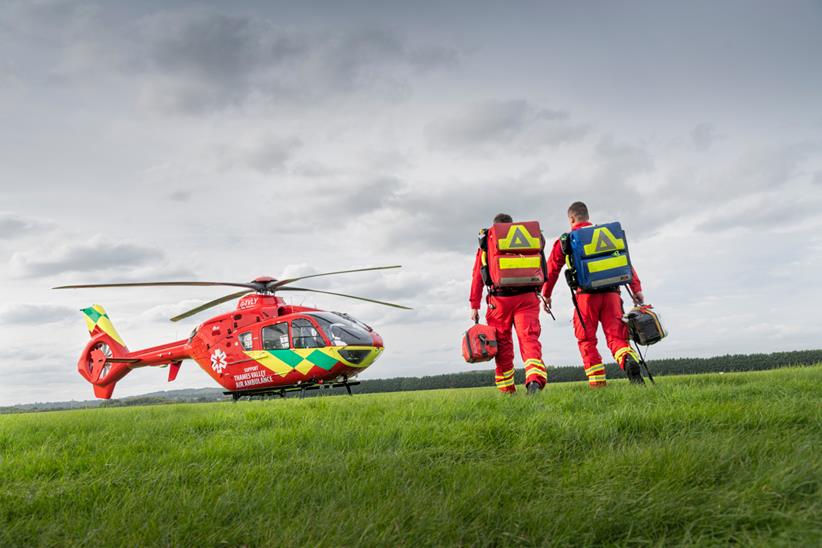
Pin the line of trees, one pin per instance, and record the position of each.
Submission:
(670, 366)
(469, 379)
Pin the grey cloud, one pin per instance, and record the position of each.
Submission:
(181, 195)
(35, 314)
(371, 194)
(703, 136)
(270, 154)
(516, 122)
(627, 156)
(446, 216)
(198, 61)
(338, 199)
(817, 178)
(761, 184)
(767, 209)
(97, 253)
(360, 58)
(769, 167)
(15, 226)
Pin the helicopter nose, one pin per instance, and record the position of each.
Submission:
(377, 339)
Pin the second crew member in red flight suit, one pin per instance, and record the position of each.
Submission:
(604, 307)
(518, 308)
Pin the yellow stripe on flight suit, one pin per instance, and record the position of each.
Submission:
(619, 354)
(535, 367)
(506, 379)
(595, 370)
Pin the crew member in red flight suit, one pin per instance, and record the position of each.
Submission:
(597, 308)
(517, 309)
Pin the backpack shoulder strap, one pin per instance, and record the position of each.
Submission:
(565, 243)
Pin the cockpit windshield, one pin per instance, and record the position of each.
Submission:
(343, 330)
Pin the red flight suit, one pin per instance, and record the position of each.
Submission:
(595, 308)
(504, 312)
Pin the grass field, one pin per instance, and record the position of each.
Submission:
(707, 459)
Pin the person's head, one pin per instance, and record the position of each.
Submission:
(577, 213)
(503, 218)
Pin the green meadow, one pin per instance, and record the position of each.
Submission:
(696, 460)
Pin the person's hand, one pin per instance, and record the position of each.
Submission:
(639, 298)
(475, 315)
(546, 304)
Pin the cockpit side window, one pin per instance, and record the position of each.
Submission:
(275, 337)
(245, 340)
(305, 335)
(342, 330)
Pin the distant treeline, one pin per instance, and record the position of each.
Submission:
(468, 379)
(671, 366)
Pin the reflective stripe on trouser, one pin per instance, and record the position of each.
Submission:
(535, 371)
(600, 309)
(520, 313)
(624, 352)
(505, 381)
(595, 374)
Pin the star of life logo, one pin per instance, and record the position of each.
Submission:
(218, 361)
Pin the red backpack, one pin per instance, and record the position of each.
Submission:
(513, 255)
(479, 344)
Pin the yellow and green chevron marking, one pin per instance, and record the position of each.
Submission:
(303, 360)
(96, 316)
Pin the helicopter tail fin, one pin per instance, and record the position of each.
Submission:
(103, 361)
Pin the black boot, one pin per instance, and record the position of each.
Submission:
(533, 387)
(633, 371)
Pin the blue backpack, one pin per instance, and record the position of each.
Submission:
(597, 257)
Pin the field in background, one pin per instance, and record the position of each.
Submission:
(699, 459)
(475, 376)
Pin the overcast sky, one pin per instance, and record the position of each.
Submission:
(163, 140)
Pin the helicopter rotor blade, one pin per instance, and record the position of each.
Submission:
(279, 283)
(346, 296)
(210, 304)
(158, 284)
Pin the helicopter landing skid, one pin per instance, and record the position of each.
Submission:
(282, 391)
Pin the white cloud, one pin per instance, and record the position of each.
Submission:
(92, 255)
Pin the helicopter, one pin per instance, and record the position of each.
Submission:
(265, 347)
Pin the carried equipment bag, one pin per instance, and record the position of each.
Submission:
(644, 325)
(597, 257)
(479, 344)
(513, 256)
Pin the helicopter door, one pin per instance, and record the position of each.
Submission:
(305, 334)
(275, 337)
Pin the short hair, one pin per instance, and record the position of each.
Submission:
(503, 218)
(578, 211)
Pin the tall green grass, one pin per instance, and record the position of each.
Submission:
(710, 459)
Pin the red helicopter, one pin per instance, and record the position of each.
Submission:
(264, 347)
